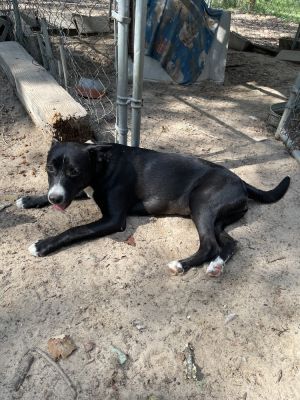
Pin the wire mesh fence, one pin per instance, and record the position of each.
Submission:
(6, 7)
(74, 40)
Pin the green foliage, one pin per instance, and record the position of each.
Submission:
(287, 9)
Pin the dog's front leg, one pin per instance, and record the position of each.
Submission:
(103, 227)
(33, 201)
(42, 201)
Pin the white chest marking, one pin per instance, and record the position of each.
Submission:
(89, 191)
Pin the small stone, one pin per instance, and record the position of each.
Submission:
(192, 370)
(122, 357)
(138, 325)
(230, 318)
(89, 346)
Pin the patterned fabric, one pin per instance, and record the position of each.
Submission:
(179, 34)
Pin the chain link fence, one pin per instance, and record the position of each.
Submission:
(74, 40)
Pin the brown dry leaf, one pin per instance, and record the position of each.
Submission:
(130, 241)
(61, 346)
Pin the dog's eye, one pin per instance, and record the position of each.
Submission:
(50, 169)
(72, 172)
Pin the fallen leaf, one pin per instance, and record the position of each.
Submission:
(130, 241)
(61, 346)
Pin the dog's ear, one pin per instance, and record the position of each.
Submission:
(99, 152)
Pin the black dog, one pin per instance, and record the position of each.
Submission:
(134, 181)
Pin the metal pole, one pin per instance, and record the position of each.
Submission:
(294, 44)
(48, 49)
(122, 16)
(138, 69)
(116, 59)
(19, 30)
(43, 51)
(280, 132)
(63, 62)
(110, 8)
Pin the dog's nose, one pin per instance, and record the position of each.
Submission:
(56, 199)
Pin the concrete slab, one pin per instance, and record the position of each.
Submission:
(289, 55)
(49, 105)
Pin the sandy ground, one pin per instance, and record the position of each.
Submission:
(262, 29)
(97, 291)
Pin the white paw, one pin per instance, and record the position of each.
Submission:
(216, 267)
(33, 250)
(20, 203)
(175, 267)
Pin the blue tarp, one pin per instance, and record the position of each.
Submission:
(179, 34)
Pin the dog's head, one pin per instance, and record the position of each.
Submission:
(70, 168)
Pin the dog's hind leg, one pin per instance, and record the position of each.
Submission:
(227, 243)
(204, 218)
(228, 247)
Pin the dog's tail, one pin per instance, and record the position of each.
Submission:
(270, 196)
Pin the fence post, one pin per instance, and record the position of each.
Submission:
(19, 30)
(252, 4)
(281, 132)
(294, 44)
(122, 16)
(48, 48)
(138, 69)
(63, 62)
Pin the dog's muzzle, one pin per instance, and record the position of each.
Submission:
(57, 197)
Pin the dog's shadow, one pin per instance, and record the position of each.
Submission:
(10, 219)
(133, 223)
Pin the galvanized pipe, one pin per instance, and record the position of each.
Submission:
(122, 16)
(63, 62)
(138, 69)
(116, 60)
(19, 30)
(280, 132)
